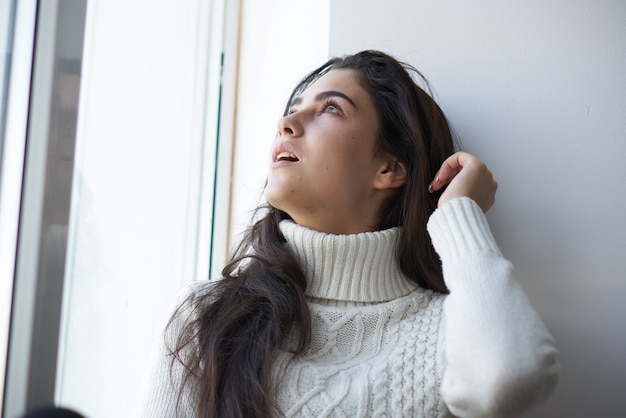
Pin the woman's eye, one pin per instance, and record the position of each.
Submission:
(331, 108)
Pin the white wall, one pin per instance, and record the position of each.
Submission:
(538, 90)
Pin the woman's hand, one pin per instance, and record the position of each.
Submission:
(466, 176)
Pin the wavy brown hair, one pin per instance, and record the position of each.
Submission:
(238, 321)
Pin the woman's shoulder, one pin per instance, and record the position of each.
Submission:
(190, 300)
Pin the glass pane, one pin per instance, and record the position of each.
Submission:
(17, 27)
(6, 35)
(6, 239)
(143, 151)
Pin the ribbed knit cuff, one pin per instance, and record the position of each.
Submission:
(460, 227)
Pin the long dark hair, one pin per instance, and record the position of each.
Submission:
(238, 321)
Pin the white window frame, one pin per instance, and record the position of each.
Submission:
(24, 197)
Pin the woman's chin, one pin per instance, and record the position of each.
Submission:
(276, 200)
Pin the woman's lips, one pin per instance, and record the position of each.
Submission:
(284, 153)
(286, 156)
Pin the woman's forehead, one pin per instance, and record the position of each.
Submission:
(345, 81)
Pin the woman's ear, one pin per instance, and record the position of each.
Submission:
(391, 175)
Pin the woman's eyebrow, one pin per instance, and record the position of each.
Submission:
(324, 95)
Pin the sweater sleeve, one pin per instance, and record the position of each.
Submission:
(161, 395)
(499, 358)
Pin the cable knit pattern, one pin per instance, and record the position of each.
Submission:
(382, 346)
(375, 333)
(366, 361)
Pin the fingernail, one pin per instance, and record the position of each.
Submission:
(430, 186)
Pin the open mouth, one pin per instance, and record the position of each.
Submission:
(286, 156)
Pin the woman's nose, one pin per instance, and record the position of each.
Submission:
(289, 125)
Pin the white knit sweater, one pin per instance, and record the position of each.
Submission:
(382, 346)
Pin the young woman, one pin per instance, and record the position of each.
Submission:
(370, 284)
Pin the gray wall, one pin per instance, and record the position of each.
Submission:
(538, 90)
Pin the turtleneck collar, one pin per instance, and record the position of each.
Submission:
(356, 268)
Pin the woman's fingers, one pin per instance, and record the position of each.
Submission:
(465, 175)
(448, 170)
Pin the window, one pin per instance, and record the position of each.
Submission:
(117, 199)
(143, 191)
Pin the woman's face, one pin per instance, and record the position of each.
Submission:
(324, 159)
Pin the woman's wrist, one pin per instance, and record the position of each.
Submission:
(459, 227)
